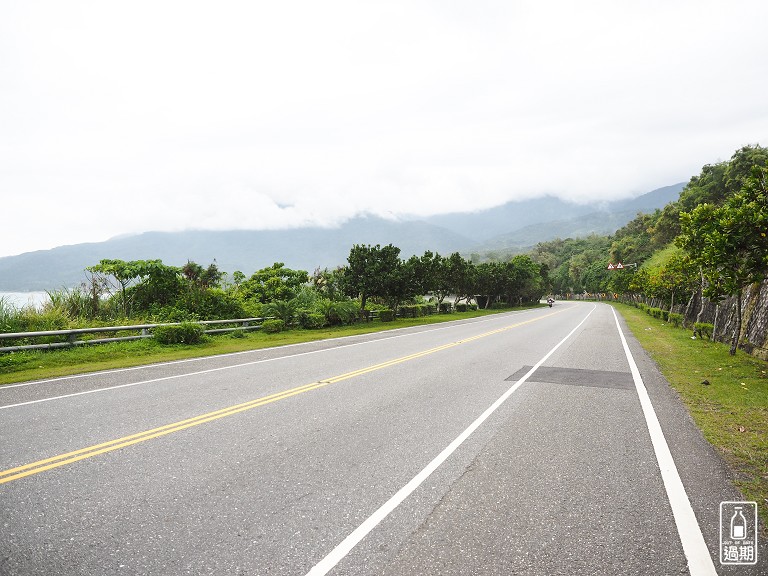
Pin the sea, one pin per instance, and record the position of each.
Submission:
(25, 299)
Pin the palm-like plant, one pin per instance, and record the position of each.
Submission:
(285, 310)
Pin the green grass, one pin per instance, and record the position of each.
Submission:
(661, 257)
(731, 411)
(36, 365)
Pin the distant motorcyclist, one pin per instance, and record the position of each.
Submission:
(550, 301)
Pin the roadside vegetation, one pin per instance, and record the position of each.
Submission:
(727, 396)
(711, 244)
(374, 291)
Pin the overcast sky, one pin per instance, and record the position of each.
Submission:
(122, 117)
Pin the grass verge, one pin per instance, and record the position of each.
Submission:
(727, 396)
(38, 365)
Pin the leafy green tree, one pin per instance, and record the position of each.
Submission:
(527, 283)
(678, 274)
(577, 267)
(439, 276)
(596, 277)
(329, 283)
(666, 225)
(273, 283)
(571, 262)
(729, 242)
(638, 282)
(633, 243)
(427, 275)
(120, 274)
(458, 275)
(706, 188)
(373, 271)
(202, 278)
(619, 282)
(492, 281)
(161, 286)
(739, 169)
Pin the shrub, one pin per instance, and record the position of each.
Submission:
(656, 312)
(386, 315)
(239, 333)
(76, 302)
(461, 307)
(702, 329)
(273, 326)
(446, 308)
(675, 319)
(174, 314)
(340, 312)
(184, 333)
(472, 307)
(408, 311)
(311, 320)
(414, 310)
(284, 310)
(8, 316)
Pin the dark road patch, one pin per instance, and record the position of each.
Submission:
(578, 377)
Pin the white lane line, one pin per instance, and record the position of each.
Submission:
(339, 552)
(694, 546)
(208, 371)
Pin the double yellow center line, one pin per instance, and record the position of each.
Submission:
(91, 451)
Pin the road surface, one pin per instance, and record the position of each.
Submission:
(531, 442)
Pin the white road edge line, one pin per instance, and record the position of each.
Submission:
(695, 548)
(346, 545)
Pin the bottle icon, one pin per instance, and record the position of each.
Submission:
(738, 525)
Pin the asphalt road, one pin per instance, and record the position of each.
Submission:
(512, 444)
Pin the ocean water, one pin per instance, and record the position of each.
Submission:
(24, 299)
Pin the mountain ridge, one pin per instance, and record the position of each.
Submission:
(514, 225)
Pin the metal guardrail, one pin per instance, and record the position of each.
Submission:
(144, 329)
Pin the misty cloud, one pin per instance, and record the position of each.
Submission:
(171, 115)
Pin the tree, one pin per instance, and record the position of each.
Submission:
(273, 283)
(427, 275)
(440, 276)
(492, 281)
(372, 271)
(729, 242)
(677, 275)
(741, 165)
(459, 277)
(120, 274)
(161, 285)
(202, 278)
(329, 283)
(526, 281)
(596, 277)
